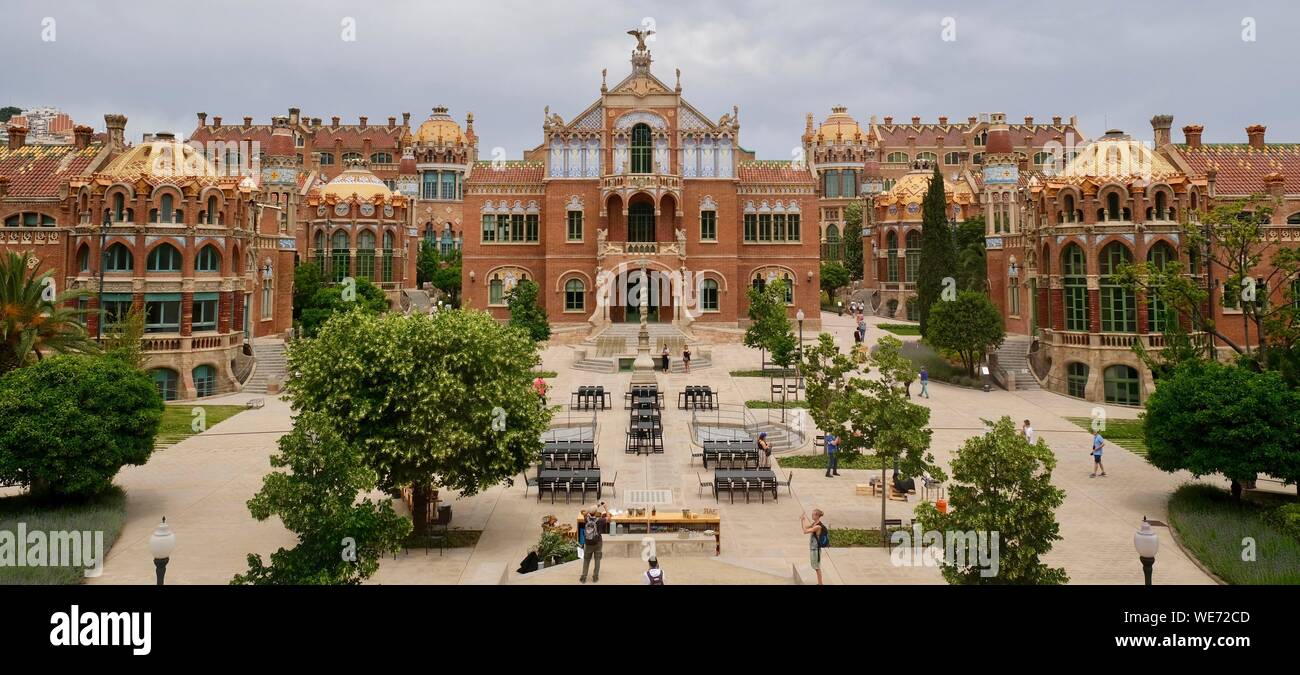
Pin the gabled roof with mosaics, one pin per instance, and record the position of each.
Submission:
(41, 171)
(1240, 169)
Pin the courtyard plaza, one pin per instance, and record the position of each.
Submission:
(203, 483)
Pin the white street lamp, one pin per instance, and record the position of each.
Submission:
(1147, 543)
(161, 545)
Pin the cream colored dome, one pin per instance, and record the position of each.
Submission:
(162, 156)
(440, 128)
(356, 180)
(840, 125)
(1116, 156)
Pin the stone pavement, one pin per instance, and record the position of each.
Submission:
(202, 485)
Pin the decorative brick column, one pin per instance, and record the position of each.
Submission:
(187, 313)
(237, 313)
(1057, 309)
(1094, 310)
(224, 311)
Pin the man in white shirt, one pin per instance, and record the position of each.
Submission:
(1028, 431)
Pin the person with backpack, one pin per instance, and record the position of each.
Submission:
(819, 537)
(596, 524)
(654, 576)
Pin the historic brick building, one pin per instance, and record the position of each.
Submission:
(641, 183)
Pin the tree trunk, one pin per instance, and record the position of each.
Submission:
(420, 493)
(884, 499)
(1236, 490)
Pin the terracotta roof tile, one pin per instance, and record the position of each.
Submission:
(1241, 168)
(40, 171)
(773, 171)
(494, 173)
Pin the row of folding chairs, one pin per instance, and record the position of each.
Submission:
(644, 442)
(747, 485)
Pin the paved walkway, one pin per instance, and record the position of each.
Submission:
(202, 484)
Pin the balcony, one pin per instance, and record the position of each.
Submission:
(655, 182)
(193, 343)
(640, 249)
(1118, 341)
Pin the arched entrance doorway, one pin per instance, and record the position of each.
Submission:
(655, 287)
(641, 219)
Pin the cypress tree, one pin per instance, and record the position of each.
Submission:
(938, 252)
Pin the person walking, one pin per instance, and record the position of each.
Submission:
(925, 383)
(765, 446)
(665, 358)
(1098, 443)
(1028, 431)
(818, 538)
(654, 576)
(539, 386)
(686, 357)
(832, 455)
(596, 524)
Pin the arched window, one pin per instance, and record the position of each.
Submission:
(709, 295)
(1074, 278)
(366, 255)
(119, 207)
(339, 262)
(1076, 379)
(1118, 305)
(832, 242)
(912, 268)
(978, 158)
(167, 382)
(1123, 385)
(496, 291)
(891, 266)
(928, 157)
(205, 381)
(164, 258)
(381, 158)
(641, 149)
(1069, 208)
(641, 222)
(351, 157)
(326, 158)
(166, 209)
(208, 260)
(118, 258)
(389, 241)
(1159, 315)
(952, 158)
(1112, 206)
(1293, 219)
(83, 258)
(831, 183)
(897, 158)
(982, 138)
(575, 296)
(211, 217)
(1042, 158)
(1162, 206)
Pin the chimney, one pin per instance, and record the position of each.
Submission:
(17, 137)
(366, 146)
(888, 120)
(1160, 125)
(216, 120)
(1211, 176)
(916, 120)
(1275, 185)
(116, 125)
(203, 119)
(334, 121)
(1029, 120)
(971, 120)
(338, 151)
(1255, 133)
(293, 116)
(81, 136)
(315, 122)
(406, 119)
(1192, 133)
(1056, 120)
(248, 122)
(363, 121)
(943, 119)
(392, 122)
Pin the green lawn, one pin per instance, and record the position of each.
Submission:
(762, 373)
(847, 537)
(761, 404)
(105, 513)
(177, 421)
(901, 328)
(1213, 528)
(546, 374)
(847, 461)
(1128, 434)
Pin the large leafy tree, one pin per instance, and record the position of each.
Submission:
(340, 539)
(870, 414)
(446, 278)
(70, 422)
(769, 327)
(972, 264)
(34, 320)
(1211, 417)
(969, 326)
(307, 281)
(938, 254)
(427, 263)
(526, 310)
(1001, 484)
(124, 339)
(853, 239)
(834, 276)
(336, 298)
(443, 399)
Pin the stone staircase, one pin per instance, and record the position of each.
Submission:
(630, 330)
(271, 366)
(1013, 357)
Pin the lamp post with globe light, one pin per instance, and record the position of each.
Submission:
(161, 545)
(1147, 543)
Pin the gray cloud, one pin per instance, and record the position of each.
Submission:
(1114, 64)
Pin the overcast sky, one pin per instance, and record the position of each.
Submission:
(1114, 64)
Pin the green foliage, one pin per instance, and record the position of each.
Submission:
(834, 276)
(1210, 418)
(1286, 518)
(329, 301)
(72, 421)
(526, 310)
(447, 278)
(1212, 525)
(853, 460)
(104, 512)
(759, 404)
(852, 239)
(307, 281)
(969, 326)
(124, 340)
(35, 321)
(972, 264)
(553, 548)
(340, 539)
(178, 421)
(770, 328)
(846, 537)
(426, 265)
(1002, 484)
(419, 396)
(7, 112)
(901, 328)
(938, 254)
